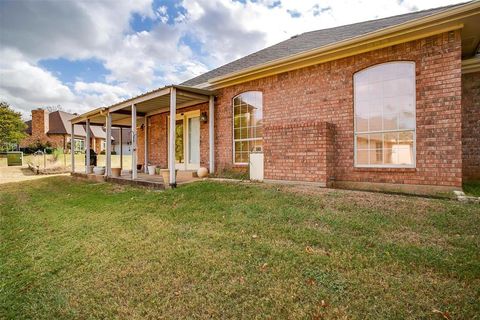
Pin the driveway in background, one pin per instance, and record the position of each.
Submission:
(18, 174)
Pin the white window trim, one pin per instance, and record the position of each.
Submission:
(355, 133)
(233, 129)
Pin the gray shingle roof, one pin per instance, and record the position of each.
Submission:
(309, 41)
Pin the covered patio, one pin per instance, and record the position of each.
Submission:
(135, 113)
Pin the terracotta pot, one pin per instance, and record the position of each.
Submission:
(202, 172)
(166, 176)
(116, 172)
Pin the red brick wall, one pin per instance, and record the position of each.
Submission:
(471, 125)
(57, 140)
(299, 151)
(40, 122)
(325, 93)
(40, 125)
(158, 138)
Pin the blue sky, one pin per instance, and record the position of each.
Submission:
(85, 54)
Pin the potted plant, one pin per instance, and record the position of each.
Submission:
(99, 171)
(166, 175)
(151, 169)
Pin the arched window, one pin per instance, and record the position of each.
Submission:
(247, 125)
(385, 115)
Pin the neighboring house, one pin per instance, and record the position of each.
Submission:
(54, 128)
(390, 104)
(122, 140)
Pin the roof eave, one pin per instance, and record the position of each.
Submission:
(84, 116)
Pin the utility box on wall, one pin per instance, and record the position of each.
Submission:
(256, 166)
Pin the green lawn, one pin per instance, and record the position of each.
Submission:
(74, 249)
(472, 188)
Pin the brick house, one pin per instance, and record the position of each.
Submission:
(54, 128)
(384, 104)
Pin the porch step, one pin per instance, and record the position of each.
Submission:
(187, 173)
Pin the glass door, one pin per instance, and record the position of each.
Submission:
(193, 150)
(179, 144)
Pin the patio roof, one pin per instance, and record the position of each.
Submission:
(149, 103)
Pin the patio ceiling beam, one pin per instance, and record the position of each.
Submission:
(140, 99)
(104, 124)
(126, 112)
(192, 95)
(180, 106)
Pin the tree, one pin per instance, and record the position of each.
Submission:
(12, 127)
(54, 108)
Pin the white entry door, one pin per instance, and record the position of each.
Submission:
(187, 141)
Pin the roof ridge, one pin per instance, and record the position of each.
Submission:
(389, 17)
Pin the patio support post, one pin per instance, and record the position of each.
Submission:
(87, 146)
(171, 137)
(72, 147)
(134, 142)
(121, 150)
(108, 152)
(211, 134)
(145, 144)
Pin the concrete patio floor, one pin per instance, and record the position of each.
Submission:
(143, 179)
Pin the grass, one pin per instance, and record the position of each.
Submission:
(472, 188)
(73, 249)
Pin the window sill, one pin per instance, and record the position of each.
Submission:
(240, 165)
(385, 169)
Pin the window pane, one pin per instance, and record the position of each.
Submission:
(362, 124)
(361, 108)
(405, 156)
(405, 138)
(390, 139)
(362, 141)
(362, 157)
(244, 133)
(375, 123)
(236, 134)
(376, 156)
(406, 120)
(376, 141)
(390, 121)
(243, 121)
(390, 157)
(238, 157)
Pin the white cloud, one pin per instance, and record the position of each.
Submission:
(220, 31)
